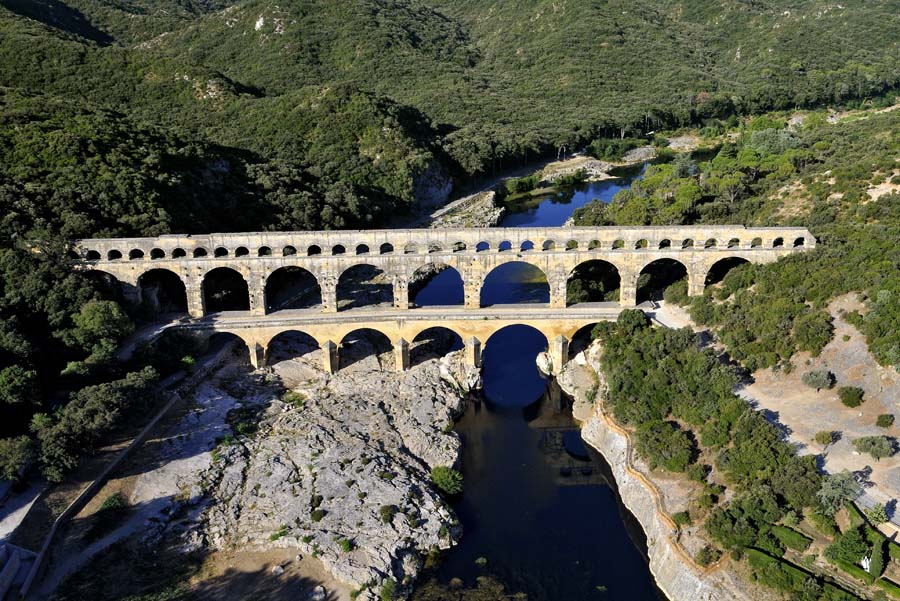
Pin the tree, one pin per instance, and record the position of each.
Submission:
(827, 437)
(876, 446)
(16, 454)
(851, 396)
(18, 385)
(99, 327)
(836, 490)
(850, 547)
(877, 514)
(819, 379)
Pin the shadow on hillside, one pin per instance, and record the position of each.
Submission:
(59, 16)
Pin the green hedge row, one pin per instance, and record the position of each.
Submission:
(791, 539)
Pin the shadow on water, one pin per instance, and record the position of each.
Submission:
(537, 513)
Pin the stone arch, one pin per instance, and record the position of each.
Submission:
(711, 243)
(410, 249)
(363, 285)
(199, 252)
(105, 283)
(778, 242)
(756, 243)
(436, 284)
(313, 250)
(92, 255)
(618, 244)
(292, 287)
(114, 255)
(225, 289)
(338, 249)
(220, 251)
(386, 249)
(721, 268)
(179, 253)
(217, 340)
(687, 243)
(363, 343)
(593, 281)
(290, 344)
(665, 243)
(798, 242)
(594, 245)
(734, 243)
(434, 247)
(642, 243)
(515, 282)
(241, 251)
(504, 246)
(71, 254)
(581, 339)
(482, 247)
(459, 246)
(157, 253)
(432, 343)
(362, 249)
(288, 251)
(526, 246)
(163, 291)
(264, 251)
(658, 275)
(548, 245)
(513, 350)
(135, 254)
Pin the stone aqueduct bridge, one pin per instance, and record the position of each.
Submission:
(474, 253)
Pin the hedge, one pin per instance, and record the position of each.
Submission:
(791, 538)
(891, 588)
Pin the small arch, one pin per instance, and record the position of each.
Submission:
(665, 243)
(778, 242)
(114, 255)
(756, 243)
(241, 251)
(221, 252)
(410, 249)
(362, 249)
(292, 287)
(436, 285)
(135, 254)
(618, 244)
(572, 245)
(288, 251)
(364, 343)
(504, 246)
(526, 246)
(734, 243)
(338, 249)
(289, 345)
(263, 251)
(687, 243)
(594, 245)
(162, 291)
(199, 252)
(363, 285)
(593, 281)
(642, 243)
(157, 253)
(658, 275)
(482, 247)
(548, 245)
(711, 243)
(798, 242)
(433, 343)
(92, 255)
(313, 250)
(459, 247)
(434, 247)
(225, 289)
(179, 253)
(514, 283)
(386, 249)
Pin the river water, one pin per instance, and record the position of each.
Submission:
(538, 513)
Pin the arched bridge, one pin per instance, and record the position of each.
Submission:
(228, 281)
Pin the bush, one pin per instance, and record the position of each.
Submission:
(282, 531)
(447, 479)
(388, 590)
(682, 518)
(876, 446)
(664, 445)
(819, 379)
(851, 396)
(826, 437)
(346, 545)
(889, 587)
(885, 420)
(387, 513)
(16, 455)
(877, 514)
(706, 556)
(791, 538)
(317, 514)
(113, 502)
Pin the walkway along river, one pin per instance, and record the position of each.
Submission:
(538, 511)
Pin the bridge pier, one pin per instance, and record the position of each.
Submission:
(258, 297)
(328, 285)
(472, 292)
(697, 282)
(330, 357)
(401, 293)
(401, 352)
(559, 353)
(628, 294)
(257, 355)
(194, 291)
(473, 352)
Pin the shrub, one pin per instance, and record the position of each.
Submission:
(295, 398)
(827, 437)
(791, 538)
(388, 590)
(387, 513)
(885, 420)
(447, 479)
(876, 446)
(317, 514)
(877, 514)
(16, 455)
(682, 518)
(851, 396)
(113, 501)
(282, 531)
(819, 379)
(346, 545)
(706, 556)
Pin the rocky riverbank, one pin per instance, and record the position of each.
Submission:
(648, 498)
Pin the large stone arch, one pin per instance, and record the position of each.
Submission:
(225, 289)
(364, 285)
(433, 342)
(593, 280)
(721, 268)
(106, 283)
(163, 291)
(361, 343)
(436, 284)
(514, 282)
(216, 340)
(290, 344)
(509, 356)
(292, 287)
(655, 276)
